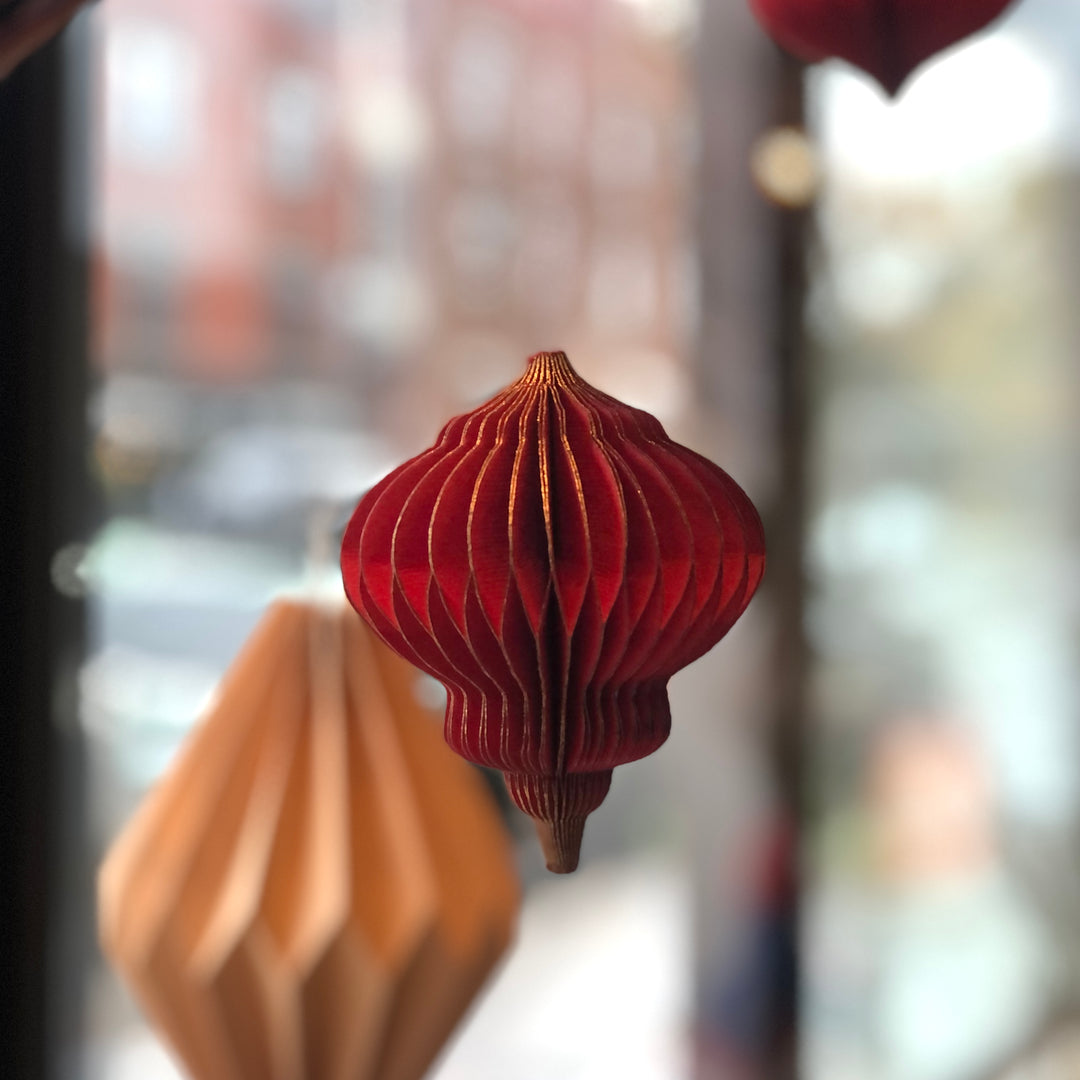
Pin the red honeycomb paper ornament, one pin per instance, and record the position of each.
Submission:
(888, 39)
(318, 888)
(553, 560)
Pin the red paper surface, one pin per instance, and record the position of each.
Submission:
(553, 560)
(886, 38)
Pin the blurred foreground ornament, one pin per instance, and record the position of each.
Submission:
(26, 25)
(318, 888)
(888, 39)
(554, 559)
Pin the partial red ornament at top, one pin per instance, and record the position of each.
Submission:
(553, 560)
(888, 39)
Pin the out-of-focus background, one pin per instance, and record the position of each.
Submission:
(318, 228)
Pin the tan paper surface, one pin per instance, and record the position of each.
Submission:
(319, 886)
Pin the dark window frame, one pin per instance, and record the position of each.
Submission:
(45, 499)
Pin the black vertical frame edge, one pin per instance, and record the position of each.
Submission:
(788, 736)
(43, 507)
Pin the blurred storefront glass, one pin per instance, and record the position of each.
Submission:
(941, 932)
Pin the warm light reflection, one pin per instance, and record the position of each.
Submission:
(784, 165)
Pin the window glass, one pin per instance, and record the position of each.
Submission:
(940, 940)
(322, 229)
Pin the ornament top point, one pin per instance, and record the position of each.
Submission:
(548, 367)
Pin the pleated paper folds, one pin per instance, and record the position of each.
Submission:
(888, 39)
(554, 559)
(318, 887)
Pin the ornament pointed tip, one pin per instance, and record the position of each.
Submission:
(893, 89)
(561, 843)
(559, 806)
(549, 366)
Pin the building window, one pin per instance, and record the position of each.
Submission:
(154, 79)
(480, 83)
(625, 149)
(295, 125)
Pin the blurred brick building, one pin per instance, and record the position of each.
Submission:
(404, 199)
(221, 186)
